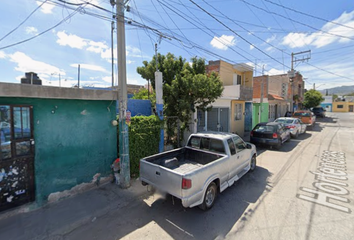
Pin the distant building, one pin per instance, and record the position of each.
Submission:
(31, 78)
(327, 103)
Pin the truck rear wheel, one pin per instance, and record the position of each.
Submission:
(209, 197)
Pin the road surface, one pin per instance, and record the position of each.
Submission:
(303, 191)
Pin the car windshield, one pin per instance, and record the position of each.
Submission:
(302, 114)
(264, 128)
(286, 121)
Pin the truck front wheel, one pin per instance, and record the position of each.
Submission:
(209, 197)
(253, 163)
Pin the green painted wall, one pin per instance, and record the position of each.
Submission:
(74, 140)
(265, 113)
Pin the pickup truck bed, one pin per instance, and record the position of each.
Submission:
(184, 160)
(209, 163)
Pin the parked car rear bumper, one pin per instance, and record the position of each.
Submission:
(266, 141)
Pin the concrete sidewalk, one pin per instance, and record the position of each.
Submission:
(57, 219)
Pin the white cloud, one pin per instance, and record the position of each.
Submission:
(46, 7)
(89, 67)
(223, 42)
(271, 39)
(270, 48)
(27, 64)
(96, 47)
(2, 54)
(133, 51)
(274, 71)
(107, 54)
(31, 30)
(71, 40)
(322, 38)
(107, 79)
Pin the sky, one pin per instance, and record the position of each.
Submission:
(53, 37)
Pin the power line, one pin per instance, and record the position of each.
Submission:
(23, 21)
(304, 24)
(215, 34)
(246, 29)
(28, 39)
(308, 15)
(329, 71)
(237, 33)
(280, 25)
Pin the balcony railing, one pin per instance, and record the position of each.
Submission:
(232, 91)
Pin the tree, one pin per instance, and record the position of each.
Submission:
(186, 86)
(312, 98)
(143, 94)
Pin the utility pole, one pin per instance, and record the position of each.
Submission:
(112, 50)
(78, 76)
(292, 73)
(122, 97)
(159, 101)
(261, 102)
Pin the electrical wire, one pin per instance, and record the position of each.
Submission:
(237, 33)
(304, 24)
(177, 28)
(322, 69)
(215, 34)
(308, 15)
(43, 32)
(9, 33)
(251, 33)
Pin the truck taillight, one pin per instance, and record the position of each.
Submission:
(186, 183)
(275, 135)
(251, 133)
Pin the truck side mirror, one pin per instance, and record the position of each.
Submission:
(249, 146)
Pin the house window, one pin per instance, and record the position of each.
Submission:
(238, 111)
(340, 106)
(237, 79)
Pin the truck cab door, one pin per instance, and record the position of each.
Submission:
(234, 160)
(242, 152)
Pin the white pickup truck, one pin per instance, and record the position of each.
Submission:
(211, 162)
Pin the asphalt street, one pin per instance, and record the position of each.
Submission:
(303, 191)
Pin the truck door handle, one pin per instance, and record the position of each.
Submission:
(157, 173)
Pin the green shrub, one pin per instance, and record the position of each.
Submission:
(144, 138)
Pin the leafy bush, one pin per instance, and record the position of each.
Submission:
(144, 138)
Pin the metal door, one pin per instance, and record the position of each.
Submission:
(16, 156)
(248, 117)
(224, 119)
(213, 120)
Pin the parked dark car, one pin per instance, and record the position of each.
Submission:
(319, 111)
(273, 134)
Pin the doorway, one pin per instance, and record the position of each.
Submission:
(16, 156)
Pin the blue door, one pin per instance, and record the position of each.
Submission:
(248, 117)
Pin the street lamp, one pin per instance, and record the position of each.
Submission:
(59, 78)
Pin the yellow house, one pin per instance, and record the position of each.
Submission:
(343, 107)
(232, 112)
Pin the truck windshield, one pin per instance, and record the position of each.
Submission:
(302, 114)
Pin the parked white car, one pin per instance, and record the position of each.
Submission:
(295, 125)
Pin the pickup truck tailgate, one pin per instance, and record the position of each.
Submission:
(161, 177)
